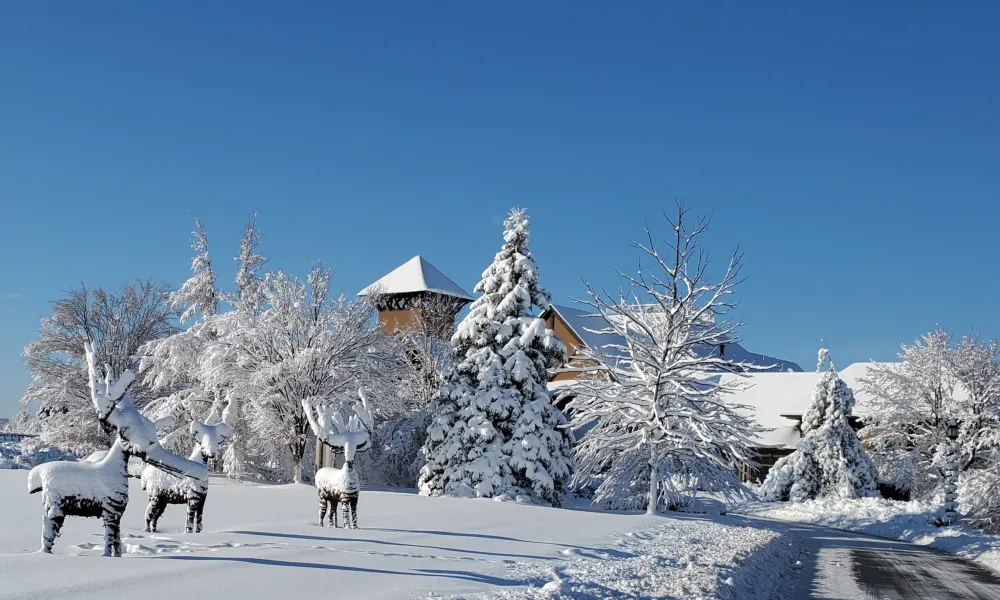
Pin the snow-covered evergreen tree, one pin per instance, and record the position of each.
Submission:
(495, 430)
(660, 423)
(829, 460)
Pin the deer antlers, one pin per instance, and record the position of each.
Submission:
(105, 394)
(115, 411)
(330, 427)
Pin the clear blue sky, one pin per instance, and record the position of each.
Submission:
(852, 150)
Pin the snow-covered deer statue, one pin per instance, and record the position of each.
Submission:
(164, 488)
(100, 488)
(340, 485)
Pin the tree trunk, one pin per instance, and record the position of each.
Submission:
(297, 452)
(654, 495)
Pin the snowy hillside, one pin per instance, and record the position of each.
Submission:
(261, 542)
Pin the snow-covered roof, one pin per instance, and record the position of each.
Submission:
(580, 321)
(778, 398)
(416, 275)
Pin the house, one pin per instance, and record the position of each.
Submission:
(576, 329)
(778, 402)
(415, 296)
(779, 392)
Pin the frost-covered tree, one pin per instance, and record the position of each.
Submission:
(910, 404)
(495, 430)
(302, 345)
(975, 364)
(198, 294)
(179, 366)
(829, 460)
(660, 423)
(424, 356)
(171, 365)
(57, 403)
(977, 367)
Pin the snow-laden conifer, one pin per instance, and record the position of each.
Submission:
(494, 430)
(829, 460)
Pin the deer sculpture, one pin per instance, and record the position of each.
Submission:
(335, 486)
(99, 488)
(163, 488)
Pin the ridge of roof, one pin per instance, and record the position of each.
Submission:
(416, 275)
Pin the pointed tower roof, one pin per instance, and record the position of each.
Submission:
(414, 276)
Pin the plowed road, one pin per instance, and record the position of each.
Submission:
(847, 566)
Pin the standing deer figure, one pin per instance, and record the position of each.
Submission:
(163, 488)
(340, 485)
(99, 487)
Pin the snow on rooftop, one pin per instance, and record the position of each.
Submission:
(778, 398)
(580, 322)
(416, 275)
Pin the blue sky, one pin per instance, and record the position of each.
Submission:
(851, 150)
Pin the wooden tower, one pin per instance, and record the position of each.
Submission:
(416, 296)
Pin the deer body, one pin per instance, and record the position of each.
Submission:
(83, 489)
(335, 486)
(162, 488)
(98, 487)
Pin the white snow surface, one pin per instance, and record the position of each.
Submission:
(262, 542)
(905, 521)
(697, 559)
(416, 275)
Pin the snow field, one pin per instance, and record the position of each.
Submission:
(678, 558)
(262, 542)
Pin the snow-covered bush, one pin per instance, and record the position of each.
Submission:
(829, 460)
(495, 430)
(29, 453)
(660, 423)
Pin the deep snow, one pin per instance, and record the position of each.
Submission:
(262, 542)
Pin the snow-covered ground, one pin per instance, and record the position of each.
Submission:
(906, 521)
(262, 542)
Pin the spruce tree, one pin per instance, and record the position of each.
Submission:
(829, 461)
(495, 430)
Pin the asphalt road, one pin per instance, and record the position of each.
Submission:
(847, 566)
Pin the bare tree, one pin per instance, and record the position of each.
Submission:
(424, 353)
(660, 418)
(57, 402)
